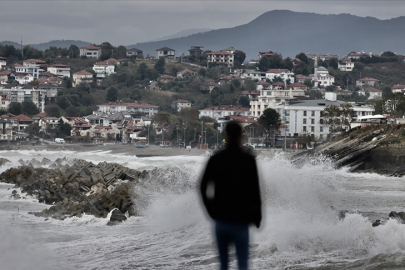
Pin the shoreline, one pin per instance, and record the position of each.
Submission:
(131, 150)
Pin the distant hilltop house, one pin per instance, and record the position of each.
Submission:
(4, 102)
(105, 68)
(181, 104)
(358, 55)
(367, 81)
(323, 57)
(135, 53)
(267, 54)
(3, 62)
(197, 51)
(302, 78)
(345, 65)
(165, 52)
(29, 70)
(6, 76)
(221, 57)
(59, 70)
(373, 92)
(90, 51)
(82, 77)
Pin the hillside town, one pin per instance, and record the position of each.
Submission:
(103, 94)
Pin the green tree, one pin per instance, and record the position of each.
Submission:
(63, 102)
(387, 90)
(160, 66)
(308, 83)
(74, 51)
(244, 101)
(249, 85)
(236, 82)
(33, 129)
(15, 108)
(337, 118)
(239, 57)
(188, 114)
(288, 64)
(52, 110)
(333, 62)
(142, 71)
(270, 122)
(29, 108)
(264, 63)
(112, 94)
(63, 129)
(303, 57)
(72, 111)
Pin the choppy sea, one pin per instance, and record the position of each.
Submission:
(301, 228)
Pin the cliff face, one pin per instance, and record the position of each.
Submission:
(378, 148)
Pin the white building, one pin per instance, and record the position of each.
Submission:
(217, 112)
(398, 88)
(114, 107)
(90, 51)
(304, 116)
(254, 75)
(60, 70)
(367, 81)
(82, 77)
(3, 62)
(284, 74)
(322, 78)
(181, 104)
(373, 92)
(28, 71)
(346, 65)
(104, 68)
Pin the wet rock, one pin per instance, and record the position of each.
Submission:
(116, 217)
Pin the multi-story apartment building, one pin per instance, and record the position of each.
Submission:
(29, 70)
(221, 57)
(346, 64)
(104, 68)
(181, 104)
(114, 107)
(60, 70)
(20, 94)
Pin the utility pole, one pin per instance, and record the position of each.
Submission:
(148, 134)
(177, 135)
(205, 136)
(202, 130)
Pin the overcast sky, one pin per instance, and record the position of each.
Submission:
(129, 22)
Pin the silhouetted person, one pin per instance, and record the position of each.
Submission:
(231, 195)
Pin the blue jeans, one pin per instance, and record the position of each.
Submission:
(236, 233)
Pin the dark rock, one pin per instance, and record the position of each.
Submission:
(117, 216)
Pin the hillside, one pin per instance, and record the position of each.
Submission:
(290, 33)
(46, 45)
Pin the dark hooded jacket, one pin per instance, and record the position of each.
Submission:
(233, 174)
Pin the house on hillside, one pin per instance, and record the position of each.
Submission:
(135, 53)
(103, 69)
(252, 95)
(60, 70)
(373, 92)
(208, 86)
(6, 76)
(165, 52)
(113, 107)
(254, 74)
(90, 51)
(284, 74)
(302, 78)
(263, 85)
(3, 62)
(398, 88)
(166, 78)
(186, 72)
(217, 112)
(196, 51)
(82, 77)
(4, 102)
(153, 85)
(181, 104)
(267, 54)
(221, 57)
(366, 81)
(21, 121)
(346, 65)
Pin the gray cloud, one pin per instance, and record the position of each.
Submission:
(129, 22)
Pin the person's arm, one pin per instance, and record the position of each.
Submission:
(256, 198)
(207, 177)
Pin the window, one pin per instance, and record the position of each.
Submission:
(269, 93)
(312, 121)
(312, 113)
(321, 129)
(304, 128)
(305, 113)
(304, 121)
(321, 121)
(263, 99)
(312, 129)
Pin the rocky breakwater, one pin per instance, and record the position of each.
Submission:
(77, 187)
(376, 148)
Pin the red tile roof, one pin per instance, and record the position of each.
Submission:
(167, 77)
(135, 104)
(371, 89)
(42, 114)
(277, 70)
(5, 72)
(297, 85)
(83, 72)
(263, 83)
(367, 79)
(91, 47)
(37, 61)
(22, 117)
(250, 93)
(225, 108)
(398, 86)
(221, 52)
